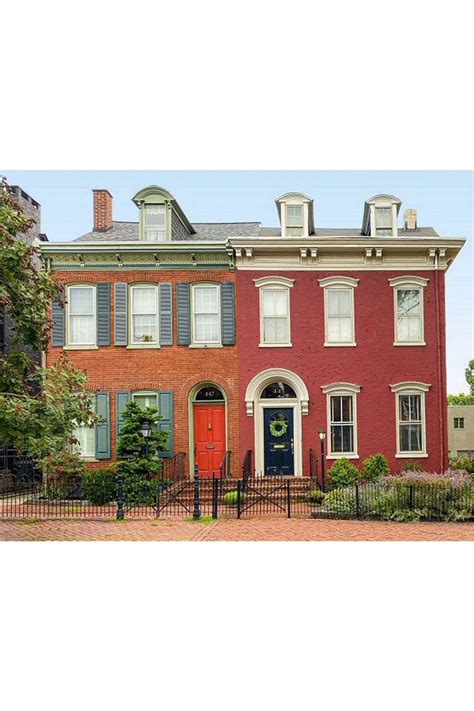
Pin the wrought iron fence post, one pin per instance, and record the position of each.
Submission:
(239, 489)
(157, 501)
(288, 497)
(357, 500)
(197, 494)
(412, 498)
(215, 496)
(120, 497)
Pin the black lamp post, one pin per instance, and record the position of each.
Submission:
(322, 437)
(145, 429)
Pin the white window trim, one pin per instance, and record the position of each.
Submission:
(411, 388)
(344, 389)
(201, 344)
(373, 226)
(145, 230)
(338, 282)
(131, 344)
(284, 218)
(274, 283)
(80, 346)
(402, 283)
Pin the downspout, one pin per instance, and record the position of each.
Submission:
(439, 356)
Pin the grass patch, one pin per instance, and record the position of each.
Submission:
(205, 520)
(28, 521)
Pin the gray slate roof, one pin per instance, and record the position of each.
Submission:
(205, 232)
(222, 231)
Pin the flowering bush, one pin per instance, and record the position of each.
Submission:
(456, 477)
(64, 473)
(464, 463)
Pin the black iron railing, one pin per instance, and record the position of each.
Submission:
(247, 465)
(174, 467)
(313, 466)
(225, 467)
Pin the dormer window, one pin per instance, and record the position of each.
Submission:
(161, 218)
(294, 220)
(155, 223)
(380, 216)
(296, 212)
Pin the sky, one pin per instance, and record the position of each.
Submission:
(444, 200)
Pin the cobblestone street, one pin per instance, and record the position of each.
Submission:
(254, 529)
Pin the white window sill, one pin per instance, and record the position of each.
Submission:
(206, 345)
(81, 348)
(342, 455)
(143, 345)
(275, 345)
(401, 343)
(88, 459)
(411, 455)
(338, 345)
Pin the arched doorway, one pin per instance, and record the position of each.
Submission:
(209, 436)
(277, 399)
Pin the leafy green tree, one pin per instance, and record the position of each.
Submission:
(39, 407)
(465, 398)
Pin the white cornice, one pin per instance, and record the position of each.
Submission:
(129, 247)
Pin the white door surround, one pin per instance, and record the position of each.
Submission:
(255, 408)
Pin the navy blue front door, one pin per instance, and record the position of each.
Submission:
(278, 441)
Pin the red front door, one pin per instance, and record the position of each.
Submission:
(209, 438)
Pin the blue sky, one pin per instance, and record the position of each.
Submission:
(444, 200)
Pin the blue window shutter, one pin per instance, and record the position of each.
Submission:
(228, 313)
(58, 323)
(184, 313)
(121, 315)
(122, 399)
(103, 314)
(102, 428)
(165, 406)
(166, 314)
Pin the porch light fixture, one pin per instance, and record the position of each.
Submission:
(322, 435)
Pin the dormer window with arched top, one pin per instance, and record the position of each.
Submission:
(161, 217)
(380, 216)
(296, 215)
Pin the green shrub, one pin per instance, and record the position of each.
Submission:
(412, 467)
(100, 486)
(376, 467)
(342, 473)
(230, 499)
(340, 501)
(315, 496)
(462, 463)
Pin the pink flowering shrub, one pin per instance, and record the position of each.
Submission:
(455, 477)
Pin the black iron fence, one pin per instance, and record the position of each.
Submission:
(30, 497)
(395, 499)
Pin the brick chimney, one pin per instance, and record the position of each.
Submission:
(410, 219)
(102, 210)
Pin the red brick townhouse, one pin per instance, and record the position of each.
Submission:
(342, 330)
(150, 316)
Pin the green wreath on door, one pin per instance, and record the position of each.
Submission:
(278, 428)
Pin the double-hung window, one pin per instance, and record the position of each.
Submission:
(383, 221)
(85, 441)
(459, 423)
(144, 400)
(154, 223)
(408, 305)
(294, 220)
(206, 314)
(339, 310)
(275, 327)
(81, 310)
(144, 314)
(411, 426)
(342, 419)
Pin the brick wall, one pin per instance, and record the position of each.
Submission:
(374, 364)
(177, 368)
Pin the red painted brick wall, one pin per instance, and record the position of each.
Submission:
(177, 368)
(374, 364)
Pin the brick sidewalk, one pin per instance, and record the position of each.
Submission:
(255, 529)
